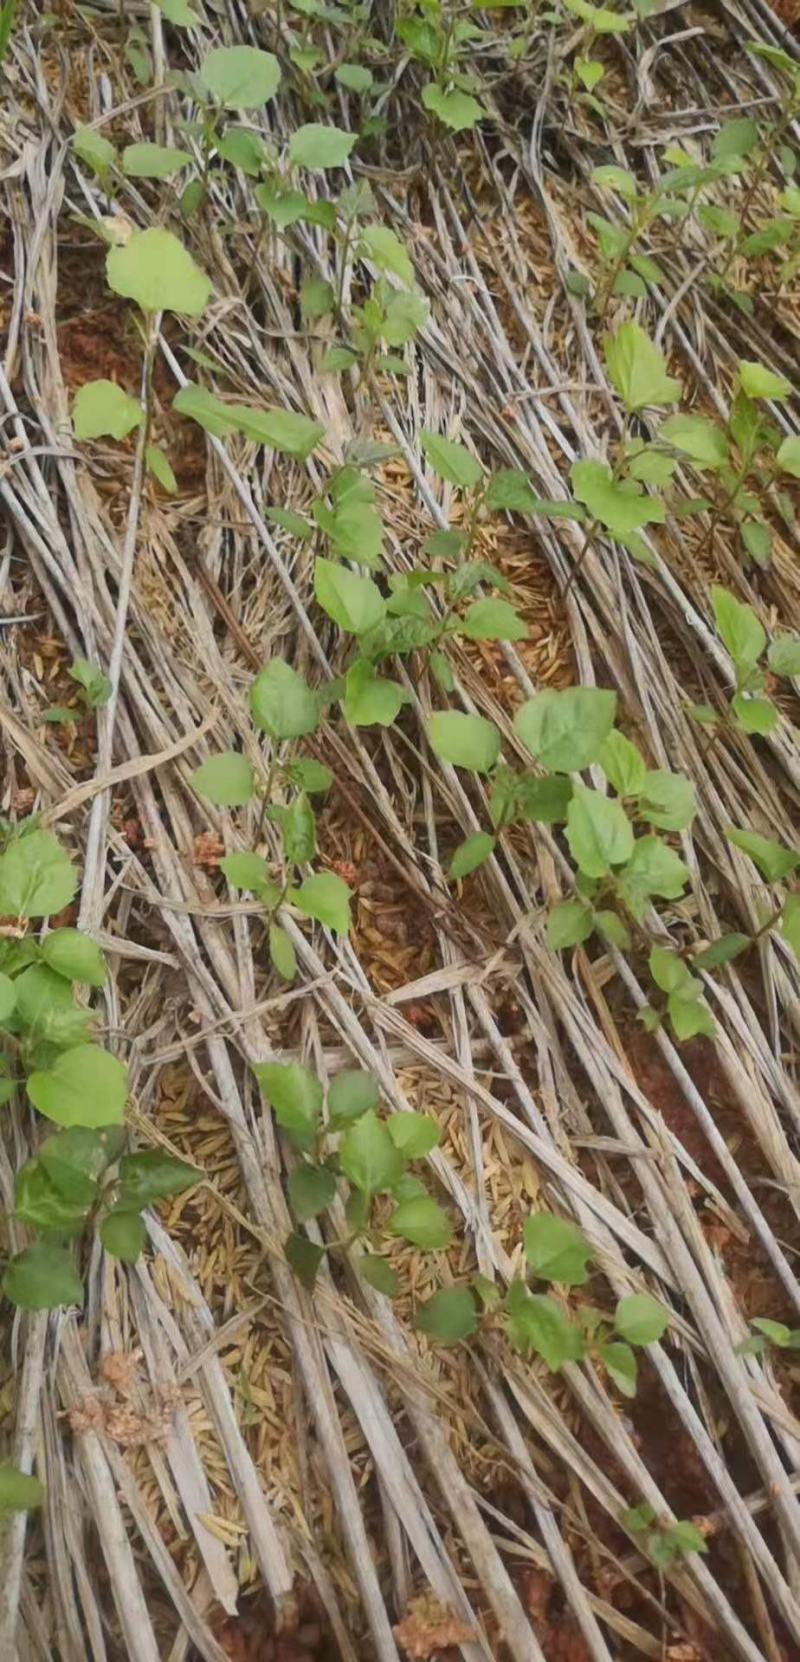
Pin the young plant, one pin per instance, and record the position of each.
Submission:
(546, 1324)
(744, 636)
(286, 709)
(662, 1544)
(344, 1146)
(94, 691)
(436, 37)
(769, 1333)
(47, 1048)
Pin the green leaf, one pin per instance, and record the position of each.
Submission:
(457, 110)
(311, 1189)
(622, 764)
(689, 1016)
(93, 149)
(245, 871)
(754, 715)
(471, 854)
(616, 178)
(535, 1322)
(757, 540)
(450, 460)
(620, 1365)
(652, 467)
(319, 147)
(378, 1273)
(404, 315)
(282, 954)
(612, 929)
(686, 1537)
(641, 1319)
(153, 161)
(468, 576)
(240, 77)
(511, 490)
(413, 1134)
(36, 878)
(772, 859)
(638, 369)
(46, 1009)
(39, 1203)
(722, 951)
(383, 247)
(556, 1249)
(441, 672)
(152, 1175)
(600, 19)
(284, 430)
(777, 1333)
(316, 298)
(243, 149)
(123, 1234)
(760, 382)
(369, 701)
(283, 207)
(565, 731)
(298, 829)
(513, 798)
(179, 13)
(788, 457)
(568, 924)
(226, 780)
(304, 1257)
(311, 776)
(158, 465)
(154, 269)
(288, 520)
(85, 1086)
(206, 409)
(667, 800)
(8, 997)
(638, 1518)
(354, 77)
(449, 1316)
(354, 603)
(295, 1095)
(351, 1094)
(670, 973)
(74, 1160)
(492, 620)
(598, 832)
(653, 869)
(42, 1278)
(619, 507)
(790, 922)
(74, 956)
(19, 1492)
(783, 656)
(464, 741)
(589, 72)
(326, 898)
(421, 1221)
(739, 628)
(735, 138)
(367, 1155)
(281, 703)
(95, 684)
(101, 409)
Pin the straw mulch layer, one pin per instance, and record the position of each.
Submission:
(236, 1469)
